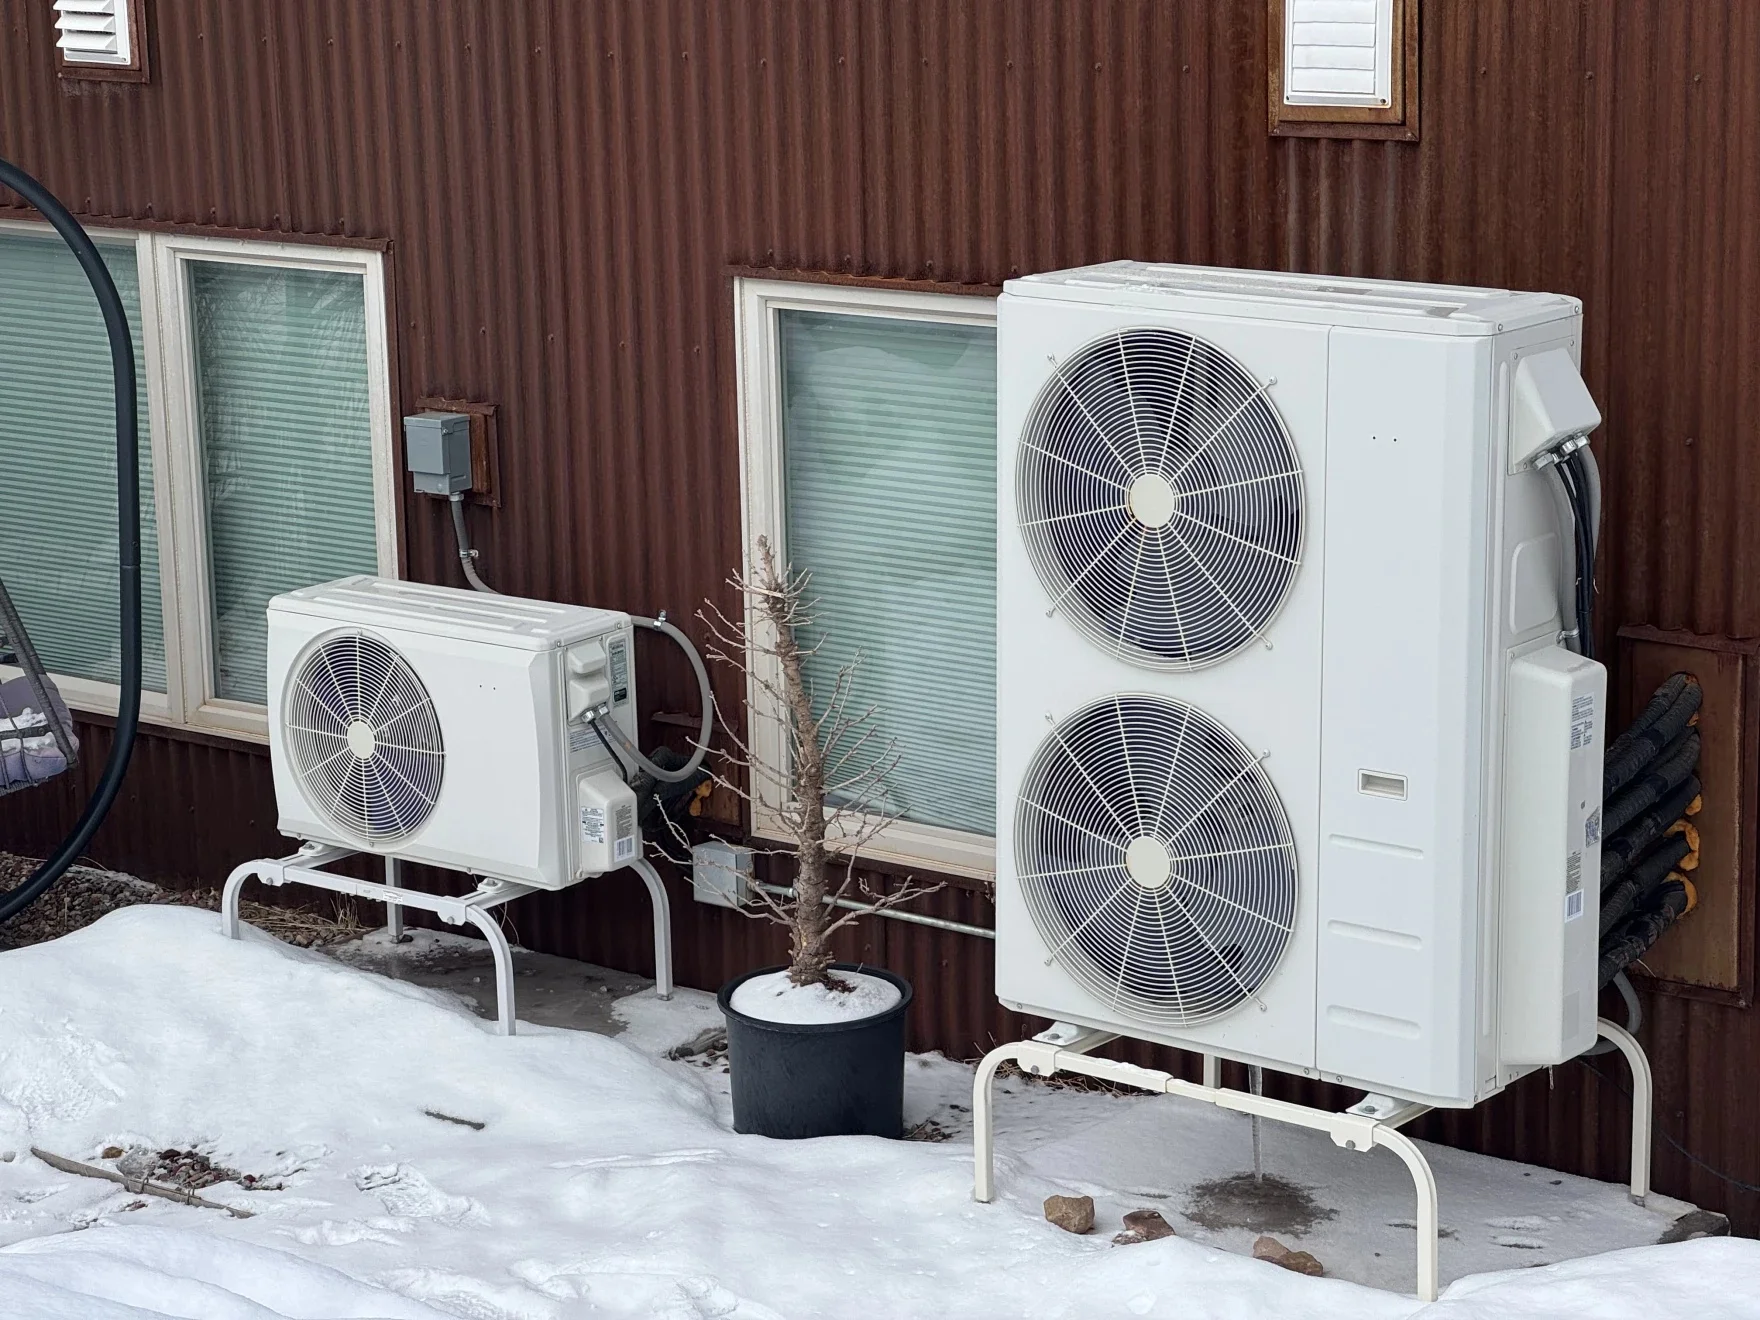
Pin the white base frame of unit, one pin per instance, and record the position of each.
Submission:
(1373, 1121)
(305, 868)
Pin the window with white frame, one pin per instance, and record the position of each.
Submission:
(266, 454)
(868, 423)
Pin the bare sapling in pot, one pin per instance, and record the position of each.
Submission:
(816, 1047)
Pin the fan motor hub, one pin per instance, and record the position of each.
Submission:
(1152, 500)
(361, 741)
(1148, 862)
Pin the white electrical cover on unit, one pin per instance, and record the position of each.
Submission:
(1263, 580)
(446, 726)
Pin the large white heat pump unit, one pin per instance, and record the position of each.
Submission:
(1297, 763)
(452, 727)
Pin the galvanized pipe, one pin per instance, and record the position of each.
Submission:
(893, 914)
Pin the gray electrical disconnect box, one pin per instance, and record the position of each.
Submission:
(437, 451)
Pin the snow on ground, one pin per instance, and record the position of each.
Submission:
(601, 1182)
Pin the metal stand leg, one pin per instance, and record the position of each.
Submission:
(503, 955)
(229, 898)
(662, 926)
(393, 911)
(1642, 1091)
(1429, 1249)
(983, 1122)
(478, 908)
(1212, 1071)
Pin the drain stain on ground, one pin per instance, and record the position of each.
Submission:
(1266, 1205)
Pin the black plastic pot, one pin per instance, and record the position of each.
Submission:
(818, 1079)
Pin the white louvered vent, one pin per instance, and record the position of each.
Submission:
(93, 32)
(1338, 52)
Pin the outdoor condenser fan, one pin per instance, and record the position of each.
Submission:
(1156, 859)
(1160, 498)
(363, 738)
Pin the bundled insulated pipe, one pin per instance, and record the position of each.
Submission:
(1649, 844)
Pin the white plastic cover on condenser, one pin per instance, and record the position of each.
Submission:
(1554, 713)
(1397, 877)
(1548, 405)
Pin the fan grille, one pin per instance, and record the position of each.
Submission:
(1156, 859)
(1160, 498)
(363, 738)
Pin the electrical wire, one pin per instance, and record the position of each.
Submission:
(632, 757)
(704, 726)
(604, 742)
(1717, 1173)
(1571, 479)
(128, 539)
(467, 557)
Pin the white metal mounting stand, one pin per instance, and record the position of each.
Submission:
(1373, 1121)
(305, 867)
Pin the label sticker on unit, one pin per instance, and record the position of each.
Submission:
(1573, 886)
(1592, 829)
(624, 849)
(1582, 721)
(579, 735)
(619, 654)
(593, 824)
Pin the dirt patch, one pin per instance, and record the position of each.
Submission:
(1069, 1081)
(86, 893)
(189, 1170)
(1265, 1205)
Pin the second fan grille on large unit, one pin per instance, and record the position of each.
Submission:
(363, 737)
(1156, 859)
(1160, 498)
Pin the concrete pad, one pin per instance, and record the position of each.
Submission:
(1189, 1161)
(548, 991)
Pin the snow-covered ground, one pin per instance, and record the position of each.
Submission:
(602, 1180)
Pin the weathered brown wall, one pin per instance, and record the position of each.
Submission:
(565, 186)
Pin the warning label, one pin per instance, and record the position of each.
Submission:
(593, 824)
(1582, 721)
(625, 848)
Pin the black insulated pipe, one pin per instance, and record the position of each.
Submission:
(1662, 720)
(128, 539)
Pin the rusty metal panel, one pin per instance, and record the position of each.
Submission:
(564, 188)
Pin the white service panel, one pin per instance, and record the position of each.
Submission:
(1551, 899)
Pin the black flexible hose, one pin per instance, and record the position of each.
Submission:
(1570, 476)
(128, 539)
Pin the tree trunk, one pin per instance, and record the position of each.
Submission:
(811, 961)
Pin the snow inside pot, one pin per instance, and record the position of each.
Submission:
(812, 1062)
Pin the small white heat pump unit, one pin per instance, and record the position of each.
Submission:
(1295, 764)
(453, 728)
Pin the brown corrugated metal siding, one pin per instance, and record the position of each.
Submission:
(564, 188)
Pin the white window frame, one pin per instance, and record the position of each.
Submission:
(758, 303)
(179, 491)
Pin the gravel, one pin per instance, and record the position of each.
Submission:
(86, 893)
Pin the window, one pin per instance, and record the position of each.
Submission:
(869, 441)
(265, 454)
(1344, 68)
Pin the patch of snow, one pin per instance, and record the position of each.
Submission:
(773, 998)
(607, 1182)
